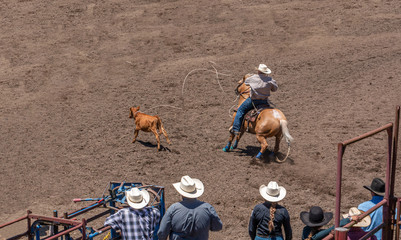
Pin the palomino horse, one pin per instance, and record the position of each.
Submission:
(271, 122)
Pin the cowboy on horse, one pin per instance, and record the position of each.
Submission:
(254, 91)
(260, 85)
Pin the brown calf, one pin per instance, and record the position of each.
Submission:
(147, 123)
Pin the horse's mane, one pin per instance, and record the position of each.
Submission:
(245, 77)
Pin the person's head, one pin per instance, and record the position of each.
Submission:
(316, 217)
(263, 69)
(189, 187)
(377, 187)
(137, 198)
(272, 193)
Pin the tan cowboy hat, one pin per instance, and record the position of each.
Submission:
(189, 187)
(136, 198)
(272, 192)
(355, 212)
(263, 68)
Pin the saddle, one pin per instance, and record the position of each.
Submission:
(253, 114)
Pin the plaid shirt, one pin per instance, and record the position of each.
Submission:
(135, 224)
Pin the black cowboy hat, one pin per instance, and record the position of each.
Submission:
(377, 186)
(316, 217)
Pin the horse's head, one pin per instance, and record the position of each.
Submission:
(241, 88)
(132, 111)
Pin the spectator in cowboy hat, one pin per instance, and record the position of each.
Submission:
(189, 219)
(268, 218)
(377, 189)
(314, 220)
(356, 231)
(138, 221)
(261, 85)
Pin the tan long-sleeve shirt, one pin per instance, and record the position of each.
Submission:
(261, 85)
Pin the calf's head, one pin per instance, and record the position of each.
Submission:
(132, 111)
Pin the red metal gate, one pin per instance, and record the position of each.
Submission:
(389, 202)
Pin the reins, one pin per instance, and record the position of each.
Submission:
(241, 94)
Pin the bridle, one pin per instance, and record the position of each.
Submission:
(237, 92)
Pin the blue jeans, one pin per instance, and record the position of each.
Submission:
(242, 110)
(269, 238)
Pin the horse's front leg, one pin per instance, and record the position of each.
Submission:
(230, 140)
(237, 138)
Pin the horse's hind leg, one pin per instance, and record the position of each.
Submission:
(277, 143)
(263, 145)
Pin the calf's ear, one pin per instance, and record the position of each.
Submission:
(130, 112)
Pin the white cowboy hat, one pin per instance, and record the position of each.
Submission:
(189, 187)
(355, 212)
(136, 198)
(263, 68)
(272, 192)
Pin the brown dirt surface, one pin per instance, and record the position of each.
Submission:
(70, 70)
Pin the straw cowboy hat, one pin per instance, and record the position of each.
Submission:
(136, 198)
(377, 186)
(189, 187)
(316, 217)
(272, 192)
(263, 68)
(355, 212)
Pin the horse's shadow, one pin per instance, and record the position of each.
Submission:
(152, 145)
(267, 157)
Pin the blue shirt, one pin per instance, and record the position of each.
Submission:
(376, 216)
(189, 219)
(135, 224)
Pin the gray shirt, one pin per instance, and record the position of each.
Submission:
(261, 85)
(189, 219)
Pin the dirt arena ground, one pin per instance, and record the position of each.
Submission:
(70, 70)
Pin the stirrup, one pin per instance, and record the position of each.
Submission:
(234, 132)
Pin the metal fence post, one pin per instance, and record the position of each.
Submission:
(341, 233)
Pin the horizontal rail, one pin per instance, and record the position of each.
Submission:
(360, 217)
(85, 209)
(373, 231)
(14, 221)
(65, 232)
(99, 231)
(368, 134)
(54, 219)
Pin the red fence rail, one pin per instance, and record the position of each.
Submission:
(73, 225)
(389, 200)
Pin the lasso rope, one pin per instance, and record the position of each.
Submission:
(208, 70)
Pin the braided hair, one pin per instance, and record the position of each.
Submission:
(272, 212)
(313, 231)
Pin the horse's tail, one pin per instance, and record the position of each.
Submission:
(286, 133)
(288, 139)
(161, 128)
